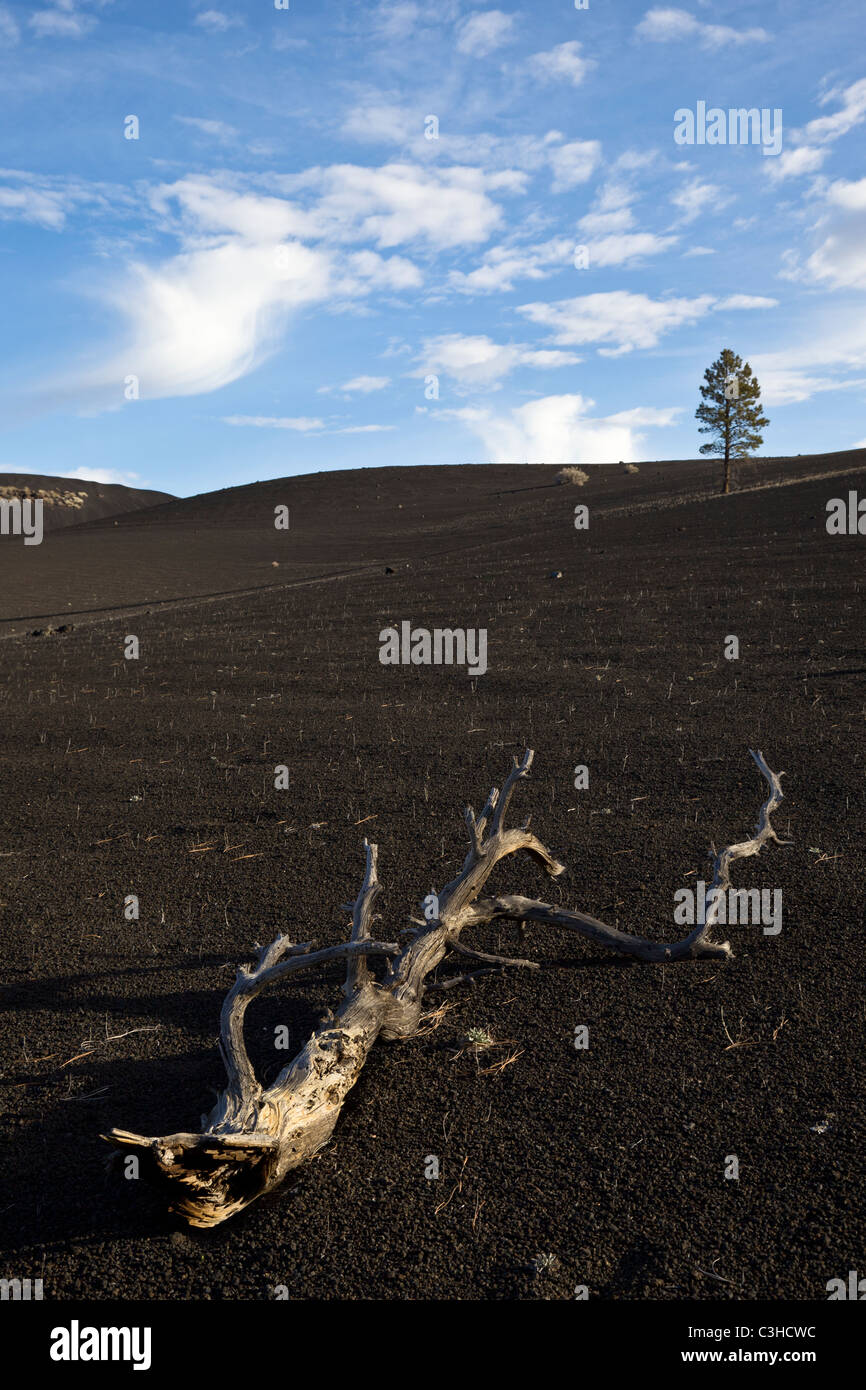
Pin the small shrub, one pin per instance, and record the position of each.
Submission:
(573, 475)
(632, 468)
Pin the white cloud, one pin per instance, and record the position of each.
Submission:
(209, 207)
(366, 384)
(574, 163)
(473, 360)
(839, 260)
(664, 25)
(402, 202)
(793, 163)
(481, 34)
(558, 429)
(64, 22)
(374, 120)
(829, 356)
(849, 195)
(47, 199)
(9, 31)
(377, 122)
(503, 265)
(787, 386)
(562, 63)
(216, 21)
(396, 20)
(626, 248)
(86, 474)
(619, 319)
(528, 152)
(363, 429)
(624, 321)
(807, 155)
(210, 314)
(368, 270)
(695, 196)
(746, 301)
(647, 415)
(302, 423)
(852, 112)
(609, 226)
(616, 220)
(26, 203)
(218, 129)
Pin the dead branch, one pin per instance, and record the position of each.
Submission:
(254, 1137)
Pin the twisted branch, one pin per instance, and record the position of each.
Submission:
(254, 1137)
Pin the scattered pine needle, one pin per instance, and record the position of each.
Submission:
(504, 1062)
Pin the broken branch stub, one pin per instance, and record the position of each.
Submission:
(253, 1137)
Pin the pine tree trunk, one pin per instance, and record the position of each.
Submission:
(727, 483)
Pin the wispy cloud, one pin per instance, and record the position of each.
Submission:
(302, 424)
(830, 357)
(401, 203)
(220, 130)
(558, 429)
(623, 321)
(65, 20)
(47, 200)
(481, 34)
(812, 141)
(101, 475)
(396, 19)
(216, 21)
(666, 25)
(574, 163)
(619, 320)
(502, 266)
(473, 360)
(561, 64)
(364, 429)
(366, 384)
(697, 196)
(839, 260)
(9, 30)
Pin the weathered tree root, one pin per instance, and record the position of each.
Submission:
(254, 1137)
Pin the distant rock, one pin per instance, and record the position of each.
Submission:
(555, 574)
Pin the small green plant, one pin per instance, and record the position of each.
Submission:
(479, 1038)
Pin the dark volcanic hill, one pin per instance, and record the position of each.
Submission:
(225, 542)
(603, 1168)
(69, 502)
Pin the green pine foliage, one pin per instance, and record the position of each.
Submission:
(735, 424)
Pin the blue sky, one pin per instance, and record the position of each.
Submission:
(285, 273)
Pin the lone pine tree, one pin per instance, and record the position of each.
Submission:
(731, 410)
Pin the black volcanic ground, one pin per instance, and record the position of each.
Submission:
(69, 502)
(155, 777)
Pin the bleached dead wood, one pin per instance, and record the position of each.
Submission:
(255, 1136)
